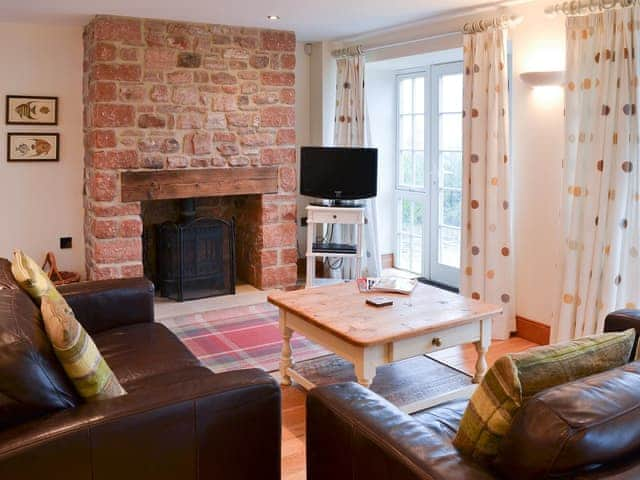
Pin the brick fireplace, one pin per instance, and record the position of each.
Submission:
(182, 110)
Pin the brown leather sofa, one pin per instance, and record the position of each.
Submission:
(587, 429)
(178, 420)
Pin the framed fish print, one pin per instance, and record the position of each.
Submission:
(24, 110)
(33, 147)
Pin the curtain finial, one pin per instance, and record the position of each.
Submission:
(485, 24)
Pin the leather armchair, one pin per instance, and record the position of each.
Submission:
(354, 434)
(200, 427)
(178, 419)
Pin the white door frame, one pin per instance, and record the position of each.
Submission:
(429, 195)
(438, 272)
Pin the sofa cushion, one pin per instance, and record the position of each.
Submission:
(77, 352)
(555, 434)
(138, 352)
(444, 418)
(515, 378)
(32, 382)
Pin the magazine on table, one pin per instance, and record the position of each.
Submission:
(387, 284)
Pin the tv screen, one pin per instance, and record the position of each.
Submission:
(339, 173)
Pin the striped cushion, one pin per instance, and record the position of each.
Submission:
(515, 378)
(31, 278)
(77, 352)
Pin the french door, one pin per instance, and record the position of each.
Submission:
(429, 172)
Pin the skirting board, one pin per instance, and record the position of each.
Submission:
(533, 331)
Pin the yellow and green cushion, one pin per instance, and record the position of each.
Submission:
(31, 277)
(76, 351)
(78, 354)
(515, 378)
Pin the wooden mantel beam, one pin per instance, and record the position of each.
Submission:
(202, 182)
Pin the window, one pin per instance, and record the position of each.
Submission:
(429, 172)
(412, 133)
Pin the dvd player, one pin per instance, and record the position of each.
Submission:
(333, 248)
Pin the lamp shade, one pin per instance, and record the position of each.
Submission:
(543, 79)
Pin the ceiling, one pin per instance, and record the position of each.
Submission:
(312, 21)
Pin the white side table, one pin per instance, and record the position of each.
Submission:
(333, 215)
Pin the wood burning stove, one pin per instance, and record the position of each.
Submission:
(195, 257)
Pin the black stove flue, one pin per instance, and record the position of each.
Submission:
(195, 257)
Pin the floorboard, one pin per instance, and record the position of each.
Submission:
(293, 401)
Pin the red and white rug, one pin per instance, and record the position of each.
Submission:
(239, 337)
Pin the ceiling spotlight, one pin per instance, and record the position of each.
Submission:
(273, 17)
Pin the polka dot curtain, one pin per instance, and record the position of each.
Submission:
(602, 230)
(349, 120)
(349, 131)
(487, 253)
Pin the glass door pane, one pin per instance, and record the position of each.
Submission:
(410, 234)
(429, 172)
(411, 133)
(446, 167)
(411, 174)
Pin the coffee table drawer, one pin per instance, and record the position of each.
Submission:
(434, 341)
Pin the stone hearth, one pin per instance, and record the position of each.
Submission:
(175, 97)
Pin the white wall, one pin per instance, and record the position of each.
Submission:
(538, 149)
(537, 143)
(322, 92)
(303, 131)
(41, 202)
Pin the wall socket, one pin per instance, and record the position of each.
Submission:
(66, 242)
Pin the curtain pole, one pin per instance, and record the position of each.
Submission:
(469, 27)
(577, 7)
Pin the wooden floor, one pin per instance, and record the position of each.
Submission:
(293, 399)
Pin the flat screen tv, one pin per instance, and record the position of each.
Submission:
(339, 173)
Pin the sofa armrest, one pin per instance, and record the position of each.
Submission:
(354, 434)
(621, 320)
(105, 304)
(223, 426)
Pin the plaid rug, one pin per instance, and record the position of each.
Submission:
(239, 337)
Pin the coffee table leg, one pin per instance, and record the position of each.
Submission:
(481, 363)
(481, 349)
(365, 381)
(364, 373)
(286, 357)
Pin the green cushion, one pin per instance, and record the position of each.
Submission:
(77, 352)
(515, 378)
(31, 277)
(75, 349)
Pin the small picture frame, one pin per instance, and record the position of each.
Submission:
(30, 110)
(33, 147)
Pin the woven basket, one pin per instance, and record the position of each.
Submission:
(58, 277)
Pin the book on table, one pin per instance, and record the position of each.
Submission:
(388, 284)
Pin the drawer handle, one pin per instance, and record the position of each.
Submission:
(436, 342)
(335, 216)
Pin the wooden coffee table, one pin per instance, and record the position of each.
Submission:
(337, 318)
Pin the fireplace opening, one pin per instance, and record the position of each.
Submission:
(191, 257)
(264, 231)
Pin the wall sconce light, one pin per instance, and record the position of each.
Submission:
(543, 79)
